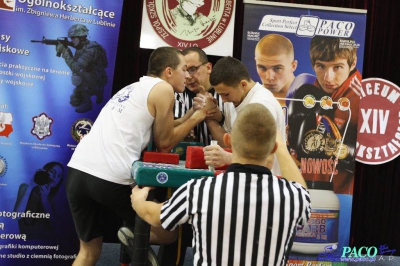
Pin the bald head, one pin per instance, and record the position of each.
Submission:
(275, 44)
(254, 132)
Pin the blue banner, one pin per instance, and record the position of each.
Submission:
(56, 70)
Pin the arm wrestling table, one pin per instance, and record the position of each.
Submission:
(157, 175)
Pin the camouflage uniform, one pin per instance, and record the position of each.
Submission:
(88, 70)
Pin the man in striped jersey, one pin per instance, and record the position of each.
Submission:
(246, 216)
(198, 81)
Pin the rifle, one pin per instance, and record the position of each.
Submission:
(63, 40)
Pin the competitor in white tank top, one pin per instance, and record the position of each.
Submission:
(99, 171)
(119, 135)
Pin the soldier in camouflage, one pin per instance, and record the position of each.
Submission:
(88, 68)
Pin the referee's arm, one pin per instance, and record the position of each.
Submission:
(149, 211)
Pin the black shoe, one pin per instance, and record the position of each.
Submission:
(125, 237)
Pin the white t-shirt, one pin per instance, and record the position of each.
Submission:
(120, 133)
(258, 94)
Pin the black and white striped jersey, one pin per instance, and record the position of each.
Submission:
(246, 216)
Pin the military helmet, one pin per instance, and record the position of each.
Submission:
(78, 30)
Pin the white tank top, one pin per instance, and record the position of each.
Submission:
(120, 133)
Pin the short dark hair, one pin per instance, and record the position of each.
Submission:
(202, 55)
(229, 71)
(328, 48)
(161, 58)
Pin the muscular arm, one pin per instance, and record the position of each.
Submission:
(215, 155)
(217, 131)
(160, 104)
(182, 119)
(149, 211)
(198, 102)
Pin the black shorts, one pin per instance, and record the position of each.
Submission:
(91, 199)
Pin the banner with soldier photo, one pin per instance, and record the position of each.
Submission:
(311, 58)
(56, 72)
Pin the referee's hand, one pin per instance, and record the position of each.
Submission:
(139, 195)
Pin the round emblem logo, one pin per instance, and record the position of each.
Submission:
(344, 104)
(183, 23)
(326, 102)
(3, 166)
(309, 101)
(162, 177)
(81, 128)
(378, 137)
(341, 151)
(313, 142)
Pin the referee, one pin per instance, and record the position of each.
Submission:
(199, 70)
(246, 216)
(198, 80)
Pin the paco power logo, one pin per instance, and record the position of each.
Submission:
(357, 254)
(307, 26)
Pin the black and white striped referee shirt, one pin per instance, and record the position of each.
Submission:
(183, 103)
(243, 217)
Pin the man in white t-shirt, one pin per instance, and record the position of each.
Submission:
(233, 83)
